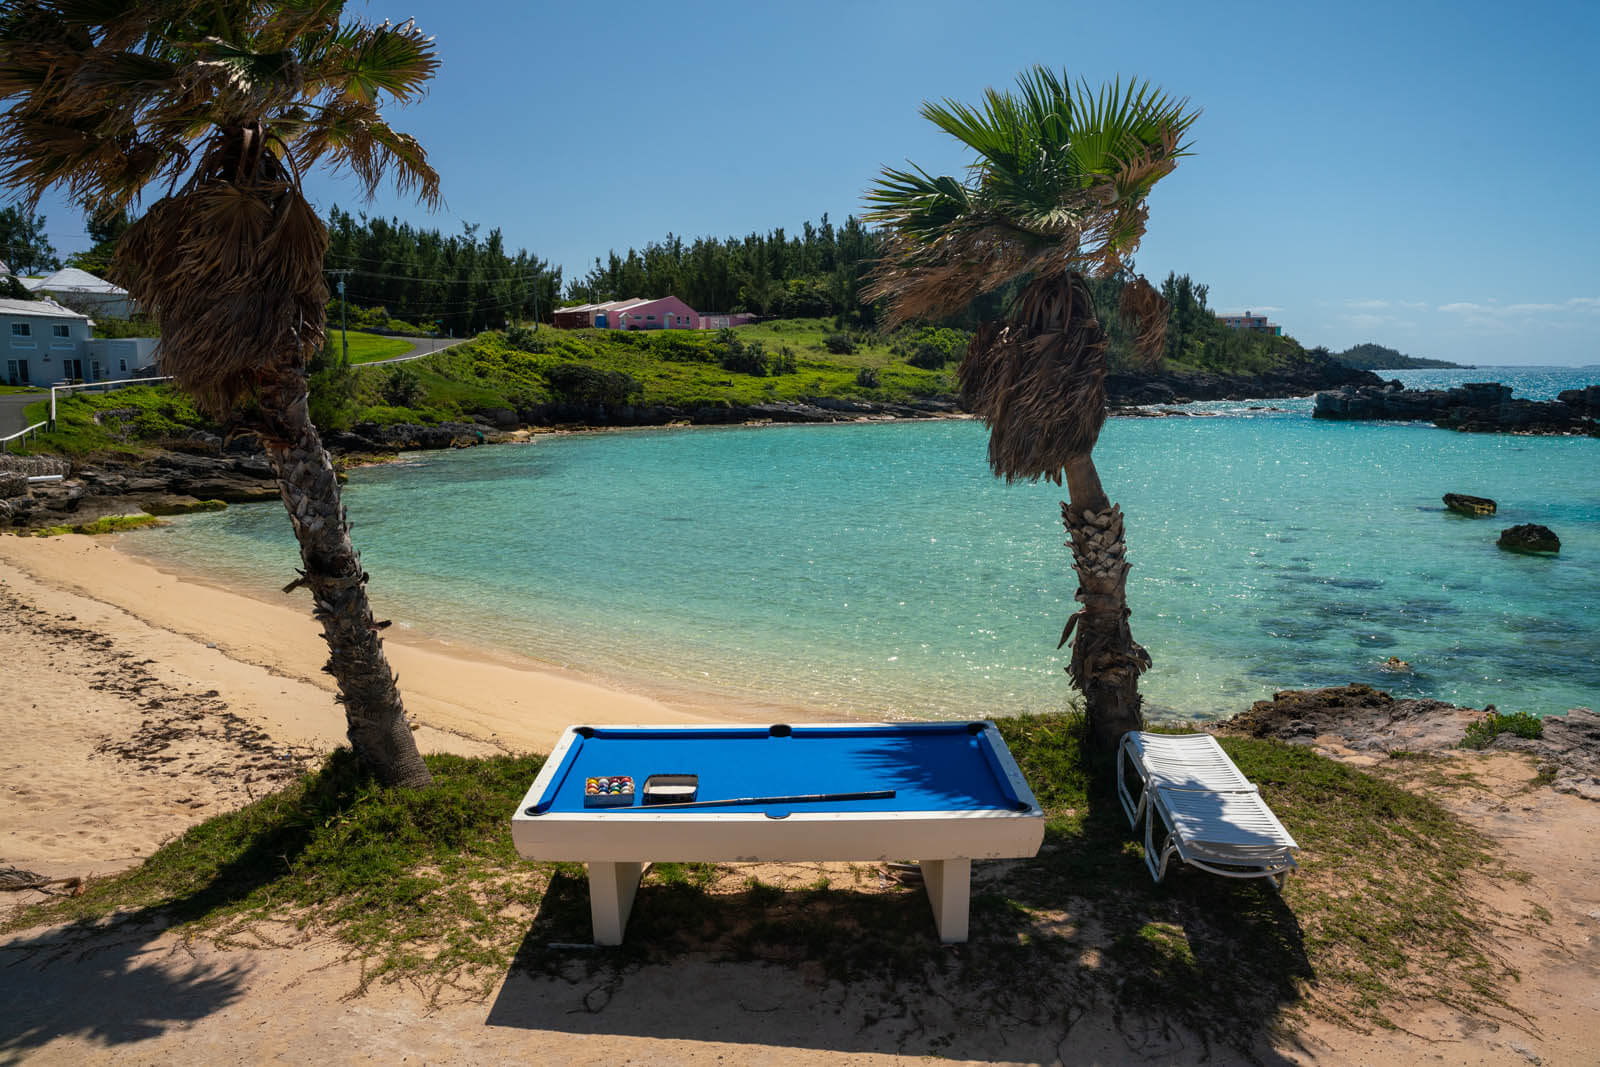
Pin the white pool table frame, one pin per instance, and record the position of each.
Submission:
(616, 845)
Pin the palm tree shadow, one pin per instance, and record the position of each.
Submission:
(98, 981)
(1220, 956)
(105, 985)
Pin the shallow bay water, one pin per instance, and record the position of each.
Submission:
(879, 569)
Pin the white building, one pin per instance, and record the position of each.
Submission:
(43, 343)
(83, 291)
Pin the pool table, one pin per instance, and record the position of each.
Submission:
(942, 793)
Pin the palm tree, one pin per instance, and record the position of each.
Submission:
(227, 103)
(1056, 193)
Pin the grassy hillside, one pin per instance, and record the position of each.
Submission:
(550, 375)
(522, 369)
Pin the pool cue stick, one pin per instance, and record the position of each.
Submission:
(807, 798)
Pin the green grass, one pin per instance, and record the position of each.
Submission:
(367, 347)
(1520, 724)
(425, 887)
(7, 390)
(120, 421)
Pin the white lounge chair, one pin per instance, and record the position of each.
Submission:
(1231, 834)
(1212, 816)
(1184, 761)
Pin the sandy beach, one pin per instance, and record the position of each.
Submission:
(138, 702)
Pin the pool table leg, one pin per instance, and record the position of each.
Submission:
(949, 885)
(611, 890)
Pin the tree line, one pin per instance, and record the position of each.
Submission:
(817, 272)
(409, 279)
(458, 285)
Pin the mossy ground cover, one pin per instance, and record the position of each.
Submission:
(104, 525)
(426, 887)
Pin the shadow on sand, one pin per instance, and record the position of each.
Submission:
(106, 983)
(1135, 973)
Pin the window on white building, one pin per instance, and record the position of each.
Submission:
(122, 366)
(21, 329)
(61, 331)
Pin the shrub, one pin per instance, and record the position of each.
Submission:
(840, 344)
(928, 356)
(402, 389)
(1492, 725)
(783, 363)
(744, 357)
(867, 377)
(525, 339)
(581, 384)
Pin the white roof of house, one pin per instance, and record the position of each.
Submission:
(48, 309)
(73, 280)
(610, 305)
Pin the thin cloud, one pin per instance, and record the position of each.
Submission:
(1576, 303)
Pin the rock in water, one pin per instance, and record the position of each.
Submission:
(1474, 506)
(1530, 537)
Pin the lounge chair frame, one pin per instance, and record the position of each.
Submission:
(1212, 817)
(1234, 835)
(1185, 761)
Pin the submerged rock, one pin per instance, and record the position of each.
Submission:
(1529, 537)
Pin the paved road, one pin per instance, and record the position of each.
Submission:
(11, 405)
(420, 346)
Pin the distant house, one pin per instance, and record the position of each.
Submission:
(1250, 321)
(663, 313)
(43, 343)
(82, 291)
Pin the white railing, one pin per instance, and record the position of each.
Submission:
(95, 385)
(22, 434)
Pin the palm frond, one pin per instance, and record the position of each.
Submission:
(1058, 184)
(1038, 380)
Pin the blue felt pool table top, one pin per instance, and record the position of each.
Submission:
(945, 767)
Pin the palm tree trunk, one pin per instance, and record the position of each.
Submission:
(376, 718)
(1106, 661)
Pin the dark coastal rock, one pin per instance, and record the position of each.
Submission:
(12, 485)
(1363, 719)
(1475, 507)
(1479, 407)
(1529, 537)
(1585, 401)
(1299, 377)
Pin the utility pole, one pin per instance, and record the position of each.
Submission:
(344, 335)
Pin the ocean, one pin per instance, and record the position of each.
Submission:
(879, 570)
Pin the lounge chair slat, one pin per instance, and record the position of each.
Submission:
(1213, 816)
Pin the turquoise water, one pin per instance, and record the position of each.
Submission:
(879, 569)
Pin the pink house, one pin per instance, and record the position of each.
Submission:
(664, 313)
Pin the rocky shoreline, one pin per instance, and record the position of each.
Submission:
(1359, 718)
(1479, 407)
(185, 473)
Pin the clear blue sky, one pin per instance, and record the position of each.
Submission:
(1419, 174)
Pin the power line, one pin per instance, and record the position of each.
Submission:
(448, 281)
